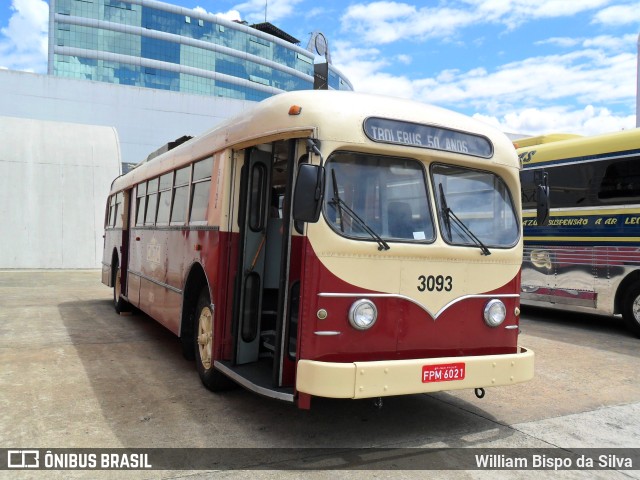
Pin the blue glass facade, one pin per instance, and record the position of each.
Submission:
(166, 47)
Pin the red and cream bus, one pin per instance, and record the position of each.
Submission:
(330, 244)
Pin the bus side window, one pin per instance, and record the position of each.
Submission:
(164, 199)
(106, 212)
(152, 202)
(569, 187)
(528, 189)
(180, 197)
(141, 201)
(119, 211)
(111, 215)
(621, 180)
(257, 196)
(201, 184)
(114, 219)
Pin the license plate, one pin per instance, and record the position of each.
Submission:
(443, 373)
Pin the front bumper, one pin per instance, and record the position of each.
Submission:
(404, 377)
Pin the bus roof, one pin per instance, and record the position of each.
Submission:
(548, 138)
(325, 114)
(581, 148)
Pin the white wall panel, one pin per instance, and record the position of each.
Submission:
(54, 181)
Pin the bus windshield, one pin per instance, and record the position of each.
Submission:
(481, 201)
(389, 195)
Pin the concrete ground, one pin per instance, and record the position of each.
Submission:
(73, 374)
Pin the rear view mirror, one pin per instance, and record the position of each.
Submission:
(309, 192)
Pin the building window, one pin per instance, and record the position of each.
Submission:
(257, 79)
(259, 40)
(304, 58)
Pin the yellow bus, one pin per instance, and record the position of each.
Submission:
(330, 244)
(588, 255)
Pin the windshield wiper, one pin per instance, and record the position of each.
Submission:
(446, 210)
(341, 206)
(336, 201)
(450, 217)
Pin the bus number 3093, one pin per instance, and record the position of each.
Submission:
(437, 283)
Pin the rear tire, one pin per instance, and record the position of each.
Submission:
(119, 304)
(631, 308)
(203, 338)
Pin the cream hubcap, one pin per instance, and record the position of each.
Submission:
(205, 336)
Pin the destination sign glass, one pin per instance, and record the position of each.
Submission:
(384, 130)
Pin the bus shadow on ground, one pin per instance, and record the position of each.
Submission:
(150, 396)
(605, 332)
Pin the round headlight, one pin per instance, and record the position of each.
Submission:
(363, 314)
(494, 313)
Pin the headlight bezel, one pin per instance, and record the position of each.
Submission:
(356, 310)
(495, 313)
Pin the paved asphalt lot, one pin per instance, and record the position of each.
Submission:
(73, 374)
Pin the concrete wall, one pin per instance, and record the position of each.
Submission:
(54, 181)
(54, 177)
(145, 118)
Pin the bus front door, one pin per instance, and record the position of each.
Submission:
(268, 277)
(254, 212)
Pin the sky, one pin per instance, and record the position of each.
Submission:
(524, 66)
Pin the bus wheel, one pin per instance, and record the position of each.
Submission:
(631, 308)
(203, 343)
(119, 303)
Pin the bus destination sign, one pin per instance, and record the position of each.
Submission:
(384, 130)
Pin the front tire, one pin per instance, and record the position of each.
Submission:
(203, 338)
(631, 308)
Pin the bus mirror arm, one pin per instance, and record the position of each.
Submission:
(312, 146)
(543, 207)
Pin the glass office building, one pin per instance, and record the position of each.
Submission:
(150, 44)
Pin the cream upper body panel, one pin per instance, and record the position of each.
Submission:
(334, 115)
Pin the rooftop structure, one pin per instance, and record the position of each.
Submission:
(151, 44)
